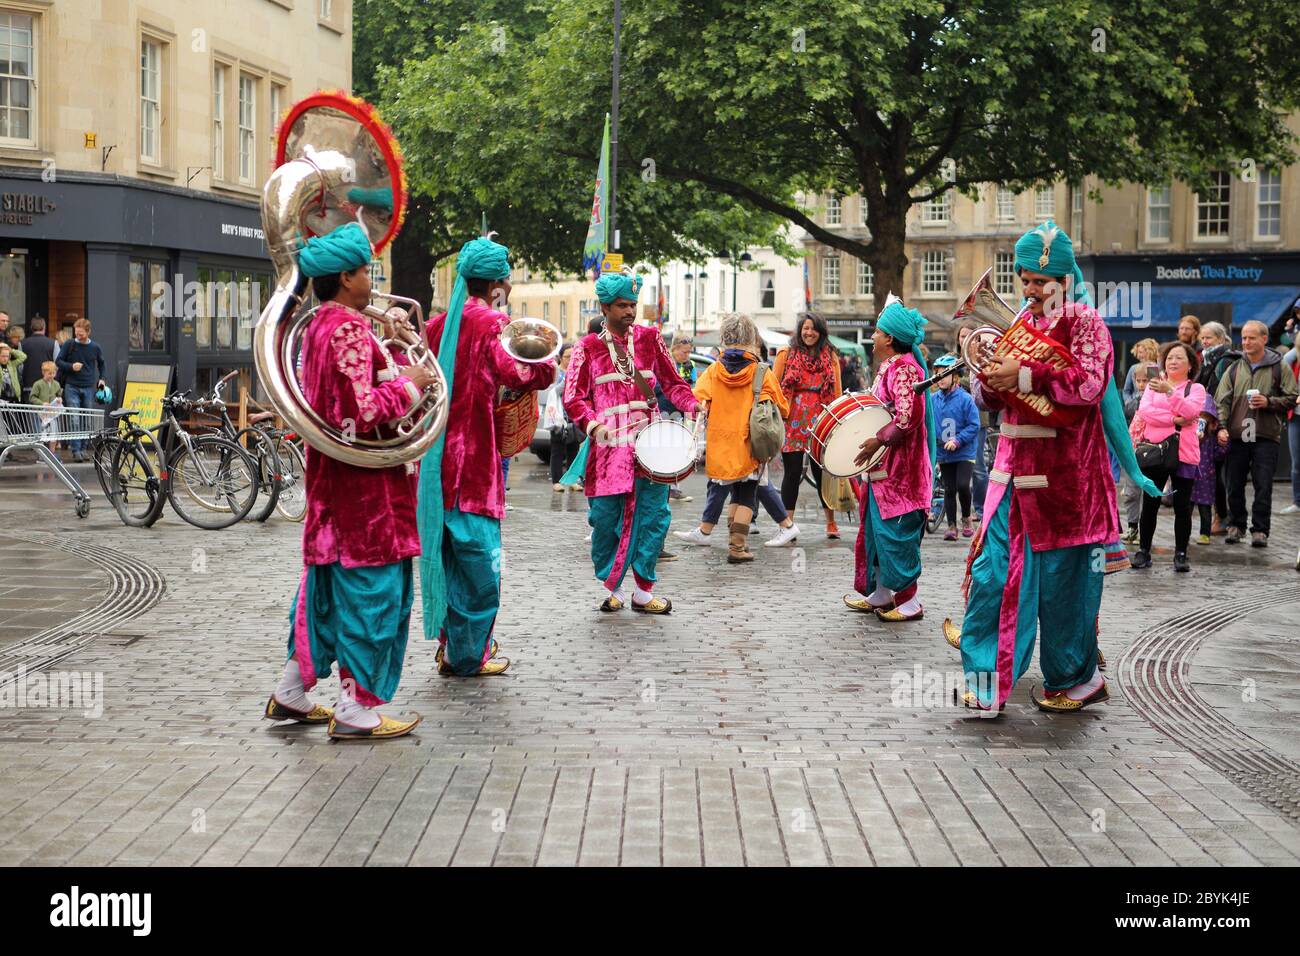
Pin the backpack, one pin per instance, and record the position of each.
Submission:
(766, 428)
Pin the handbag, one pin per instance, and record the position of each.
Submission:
(1161, 455)
(766, 428)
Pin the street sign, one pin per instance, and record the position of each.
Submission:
(612, 262)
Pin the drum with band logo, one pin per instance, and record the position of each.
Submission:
(839, 431)
(665, 452)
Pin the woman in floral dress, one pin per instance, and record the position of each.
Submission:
(809, 373)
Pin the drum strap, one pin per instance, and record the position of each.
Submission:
(646, 391)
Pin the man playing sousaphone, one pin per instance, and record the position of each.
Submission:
(1051, 505)
(887, 555)
(609, 395)
(462, 492)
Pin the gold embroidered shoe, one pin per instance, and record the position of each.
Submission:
(971, 702)
(1059, 704)
(862, 604)
(611, 604)
(1101, 660)
(441, 658)
(654, 606)
(894, 616)
(493, 667)
(277, 711)
(951, 633)
(387, 729)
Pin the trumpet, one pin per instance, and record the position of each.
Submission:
(984, 304)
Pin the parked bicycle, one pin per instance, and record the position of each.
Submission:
(260, 445)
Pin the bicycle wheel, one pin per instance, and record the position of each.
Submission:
(935, 517)
(292, 503)
(212, 484)
(137, 488)
(102, 448)
(269, 470)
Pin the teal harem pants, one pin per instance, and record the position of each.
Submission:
(357, 617)
(629, 530)
(888, 550)
(1015, 591)
(471, 560)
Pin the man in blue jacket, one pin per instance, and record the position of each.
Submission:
(82, 364)
(957, 421)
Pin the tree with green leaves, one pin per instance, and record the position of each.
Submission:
(899, 100)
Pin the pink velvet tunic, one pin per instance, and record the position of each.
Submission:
(360, 517)
(471, 464)
(904, 480)
(595, 392)
(1063, 484)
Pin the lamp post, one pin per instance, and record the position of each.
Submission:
(736, 260)
(690, 290)
(702, 277)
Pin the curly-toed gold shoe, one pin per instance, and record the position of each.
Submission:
(440, 657)
(611, 604)
(654, 606)
(862, 604)
(277, 711)
(387, 729)
(1060, 704)
(951, 633)
(1101, 660)
(970, 701)
(895, 616)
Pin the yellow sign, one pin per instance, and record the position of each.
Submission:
(146, 398)
(612, 262)
(90, 140)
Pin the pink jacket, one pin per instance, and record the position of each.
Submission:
(471, 465)
(594, 392)
(1158, 411)
(908, 482)
(360, 517)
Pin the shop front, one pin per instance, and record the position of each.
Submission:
(166, 276)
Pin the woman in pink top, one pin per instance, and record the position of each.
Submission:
(1172, 403)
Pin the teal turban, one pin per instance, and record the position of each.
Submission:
(908, 327)
(617, 285)
(1047, 249)
(479, 259)
(342, 250)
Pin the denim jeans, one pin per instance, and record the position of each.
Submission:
(1293, 441)
(79, 396)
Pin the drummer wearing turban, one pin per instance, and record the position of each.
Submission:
(887, 555)
(462, 492)
(354, 599)
(629, 514)
(1039, 561)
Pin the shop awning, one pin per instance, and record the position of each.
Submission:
(1136, 306)
(774, 339)
(846, 347)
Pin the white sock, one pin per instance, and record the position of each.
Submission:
(909, 607)
(619, 594)
(642, 597)
(348, 711)
(880, 596)
(290, 691)
(1087, 688)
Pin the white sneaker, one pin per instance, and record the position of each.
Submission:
(783, 536)
(694, 536)
(1290, 510)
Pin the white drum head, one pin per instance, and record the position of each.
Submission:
(845, 441)
(665, 448)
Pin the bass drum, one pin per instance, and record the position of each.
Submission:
(839, 431)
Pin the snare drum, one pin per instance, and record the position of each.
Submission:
(665, 452)
(839, 431)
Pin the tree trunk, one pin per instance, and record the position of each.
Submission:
(413, 262)
(889, 256)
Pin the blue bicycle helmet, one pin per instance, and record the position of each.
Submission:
(104, 395)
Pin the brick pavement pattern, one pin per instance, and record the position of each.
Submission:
(761, 723)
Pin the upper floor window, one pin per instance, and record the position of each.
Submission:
(1045, 203)
(150, 102)
(1212, 207)
(834, 210)
(17, 80)
(326, 9)
(1158, 213)
(866, 279)
(247, 119)
(831, 274)
(1005, 204)
(934, 271)
(1004, 273)
(767, 289)
(863, 210)
(218, 122)
(1268, 205)
(936, 210)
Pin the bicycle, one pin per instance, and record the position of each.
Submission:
(292, 503)
(130, 469)
(934, 517)
(256, 442)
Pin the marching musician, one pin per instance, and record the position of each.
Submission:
(608, 393)
(887, 555)
(1038, 560)
(355, 595)
(462, 488)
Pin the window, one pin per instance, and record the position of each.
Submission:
(149, 305)
(564, 318)
(834, 210)
(1004, 273)
(934, 211)
(218, 122)
(276, 100)
(158, 291)
(247, 140)
(546, 311)
(1045, 202)
(934, 271)
(831, 275)
(224, 306)
(1076, 211)
(135, 305)
(203, 311)
(326, 8)
(17, 80)
(866, 279)
(1212, 208)
(863, 209)
(767, 288)
(246, 316)
(1005, 205)
(1268, 205)
(1157, 213)
(151, 102)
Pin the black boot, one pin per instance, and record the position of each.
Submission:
(1180, 561)
(1141, 559)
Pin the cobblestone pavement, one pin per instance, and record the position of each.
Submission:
(761, 723)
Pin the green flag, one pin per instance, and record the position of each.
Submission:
(593, 251)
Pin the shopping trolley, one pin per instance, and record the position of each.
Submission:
(31, 427)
